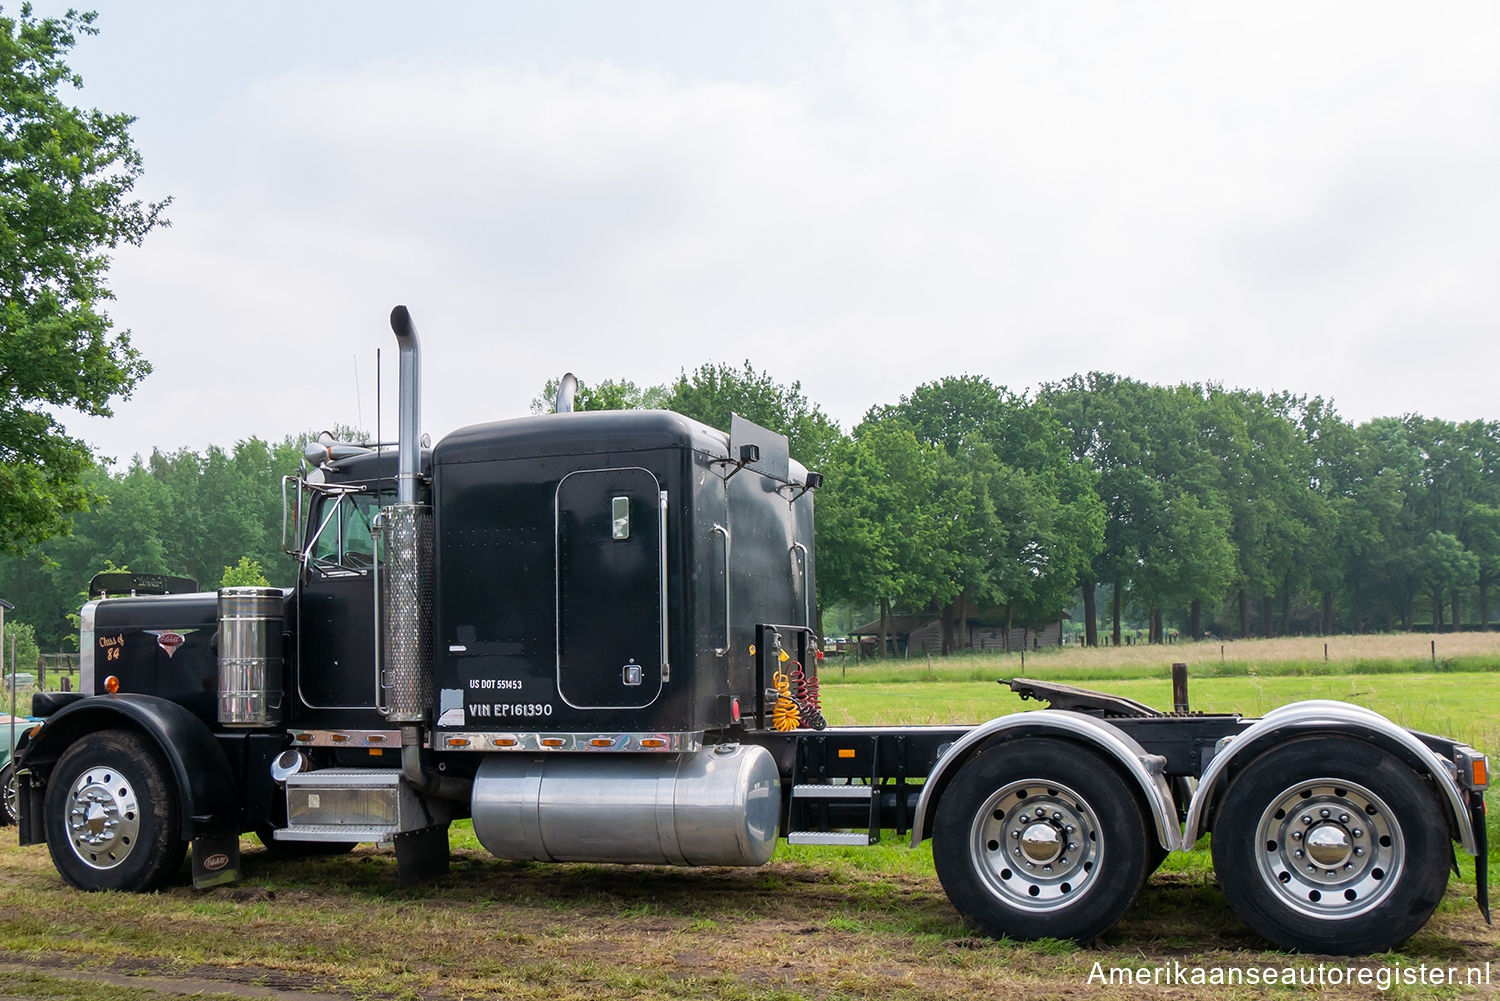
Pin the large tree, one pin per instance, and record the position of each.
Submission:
(66, 176)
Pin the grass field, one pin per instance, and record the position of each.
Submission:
(815, 923)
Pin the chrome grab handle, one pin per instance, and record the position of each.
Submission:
(807, 619)
(721, 651)
(666, 666)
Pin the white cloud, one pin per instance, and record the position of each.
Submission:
(1282, 196)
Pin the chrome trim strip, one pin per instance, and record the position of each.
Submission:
(352, 738)
(86, 675)
(532, 741)
(1326, 714)
(1147, 769)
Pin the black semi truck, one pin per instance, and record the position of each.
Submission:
(593, 634)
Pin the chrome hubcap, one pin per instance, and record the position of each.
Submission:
(104, 820)
(1036, 844)
(1330, 848)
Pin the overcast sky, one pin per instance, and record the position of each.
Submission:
(860, 196)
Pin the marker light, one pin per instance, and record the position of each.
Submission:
(458, 741)
(112, 684)
(1480, 771)
(553, 742)
(504, 742)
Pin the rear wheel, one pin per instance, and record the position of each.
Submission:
(1330, 844)
(1040, 838)
(112, 815)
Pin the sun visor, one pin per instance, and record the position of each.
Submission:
(773, 458)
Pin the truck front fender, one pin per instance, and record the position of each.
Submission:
(205, 781)
(1147, 770)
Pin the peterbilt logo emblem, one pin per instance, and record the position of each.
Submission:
(216, 862)
(169, 640)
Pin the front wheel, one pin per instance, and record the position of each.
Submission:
(1040, 838)
(10, 798)
(1328, 844)
(112, 816)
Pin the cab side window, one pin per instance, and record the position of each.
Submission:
(343, 542)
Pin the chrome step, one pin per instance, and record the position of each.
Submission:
(829, 838)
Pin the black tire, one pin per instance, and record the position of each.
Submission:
(995, 854)
(112, 816)
(1373, 833)
(10, 803)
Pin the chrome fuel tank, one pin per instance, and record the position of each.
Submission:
(717, 806)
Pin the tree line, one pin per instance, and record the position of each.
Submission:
(1189, 508)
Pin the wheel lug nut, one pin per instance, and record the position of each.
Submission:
(1296, 835)
(1016, 852)
(1343, 818)
(1307, 819)
(1331, 874)
(1031, 865)
(1072, 846)
(1325, 814)
(1348, 866)
(1056, 816)
(1298, 853)
(1311, 867)
(1357, 833)
(1359, 851)
(1068, 829)
(1046, 868)
(1015, 835)
(1063, 861)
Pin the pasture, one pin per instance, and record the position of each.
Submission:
(817, 922)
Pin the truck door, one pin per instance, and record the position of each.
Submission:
(336, 607)
(611, 582)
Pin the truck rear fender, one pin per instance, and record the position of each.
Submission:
(203, 775)
(1326, 716)
(1146, 770)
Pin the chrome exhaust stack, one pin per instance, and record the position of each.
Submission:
(404, 582)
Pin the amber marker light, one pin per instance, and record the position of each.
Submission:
(602, 742)
(505, 742)
(339, 738)
(1480, 771)
(305, 738)
(653, 742)
(112, 684)
(552, 742)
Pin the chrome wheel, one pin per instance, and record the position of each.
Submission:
(1328, 843)
(1040, 838)
(103, 817)
(1332, 848)
(1036, 843)
(10, 796)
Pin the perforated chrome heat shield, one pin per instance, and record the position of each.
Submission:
(406, 613)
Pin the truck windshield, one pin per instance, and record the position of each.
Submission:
(343, 542)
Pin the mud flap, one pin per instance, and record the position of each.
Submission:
(216, 860)
(1481, 860)
(421, 855)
